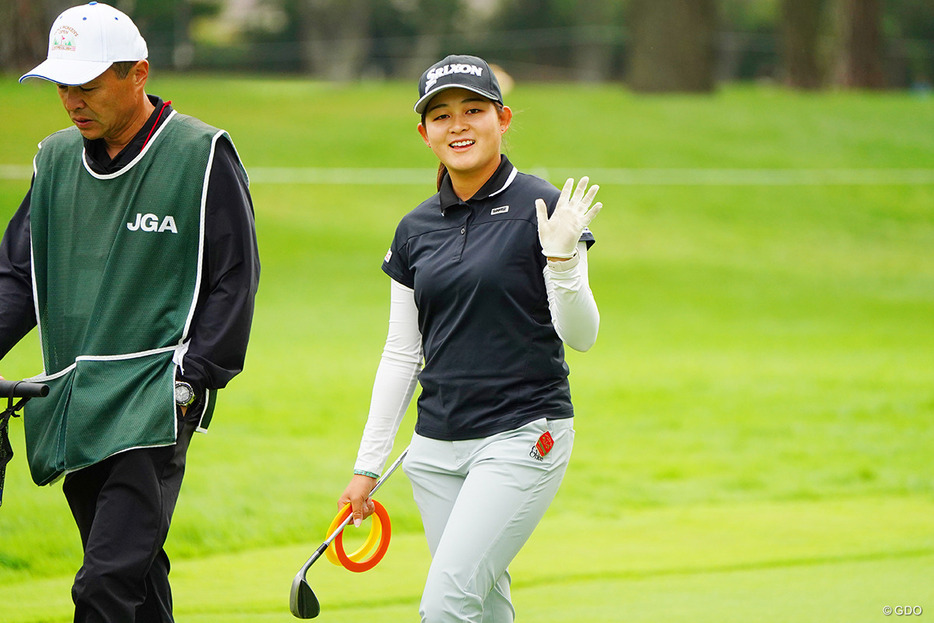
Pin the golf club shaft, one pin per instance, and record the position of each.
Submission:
(392, 468)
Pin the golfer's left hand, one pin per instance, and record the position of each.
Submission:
(573, 213)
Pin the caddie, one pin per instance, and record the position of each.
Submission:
(134, 252)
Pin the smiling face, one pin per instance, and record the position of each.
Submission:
(465, 132)
(109, 107)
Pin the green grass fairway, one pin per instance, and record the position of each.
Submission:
(754, 433)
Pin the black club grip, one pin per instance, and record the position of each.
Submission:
(22, 389)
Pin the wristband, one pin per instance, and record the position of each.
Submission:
(567, 265)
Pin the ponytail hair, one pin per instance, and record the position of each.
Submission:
(442, 171)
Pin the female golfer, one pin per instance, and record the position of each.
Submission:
(489, 278)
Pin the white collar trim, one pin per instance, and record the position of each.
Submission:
(512, 176)
(132, 163)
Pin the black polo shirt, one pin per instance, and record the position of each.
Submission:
(493, 361)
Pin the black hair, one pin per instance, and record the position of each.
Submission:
(122, 68)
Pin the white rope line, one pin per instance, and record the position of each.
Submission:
(748, 177)
(602, 176)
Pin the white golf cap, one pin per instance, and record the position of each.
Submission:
(85, 40)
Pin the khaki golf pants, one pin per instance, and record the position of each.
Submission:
(480, 500)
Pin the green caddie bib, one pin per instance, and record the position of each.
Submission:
(116, 270)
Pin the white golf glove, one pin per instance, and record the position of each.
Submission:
(560, 233)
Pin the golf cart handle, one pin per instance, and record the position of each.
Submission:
(23, 389)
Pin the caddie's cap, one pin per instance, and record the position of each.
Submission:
(85, 40)
(458, 71)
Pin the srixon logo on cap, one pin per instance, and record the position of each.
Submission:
(542, 447)
(456, 68)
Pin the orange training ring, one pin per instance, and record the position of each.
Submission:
(357, 563)
(372, 538)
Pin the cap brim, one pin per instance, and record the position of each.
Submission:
(422, 103)
(68, 72)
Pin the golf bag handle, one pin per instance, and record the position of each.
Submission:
(12, 390)
(23, 389)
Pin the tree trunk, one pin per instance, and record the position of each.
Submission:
(24, 34)
(860, 48)
(183, 50)
(801, 25)
(673, 45)
(335, 37)
(433, 20)
(592, 52)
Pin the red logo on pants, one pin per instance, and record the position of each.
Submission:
(543, 446)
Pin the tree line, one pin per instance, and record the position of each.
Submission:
(650, 45)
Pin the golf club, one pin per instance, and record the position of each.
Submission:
(302, 600)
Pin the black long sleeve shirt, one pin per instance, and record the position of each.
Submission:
(220, 328)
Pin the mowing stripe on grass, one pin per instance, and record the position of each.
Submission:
(622, 177)
(565, 579)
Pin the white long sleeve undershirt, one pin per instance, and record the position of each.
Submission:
(573, 313)
(573, 309)
(395, 381)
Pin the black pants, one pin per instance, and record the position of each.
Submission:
(123, 507)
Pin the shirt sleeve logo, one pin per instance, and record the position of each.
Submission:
(388, 255)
